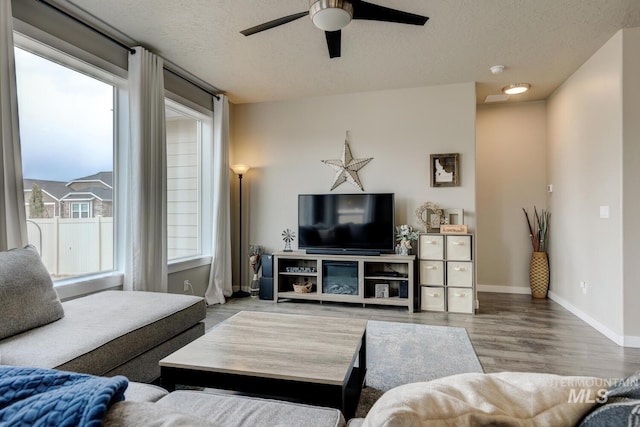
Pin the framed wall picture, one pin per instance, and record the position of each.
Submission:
(445, 171)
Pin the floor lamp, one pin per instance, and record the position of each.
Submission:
(240, 170)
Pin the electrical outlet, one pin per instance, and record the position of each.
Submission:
(583, 286)
(187, 285)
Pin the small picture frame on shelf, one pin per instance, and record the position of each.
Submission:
(453, 216)
(434, 220)
(445, 170)
(430, 217)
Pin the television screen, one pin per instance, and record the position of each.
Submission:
(339, 223)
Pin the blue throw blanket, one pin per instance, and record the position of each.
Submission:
(46, 397)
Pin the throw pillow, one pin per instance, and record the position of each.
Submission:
(26, 291)
(622, 406)
(504, 399)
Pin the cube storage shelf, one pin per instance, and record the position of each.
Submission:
(375, 280)
(446, 273)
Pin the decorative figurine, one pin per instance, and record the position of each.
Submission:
(255, 261)
(288, 236)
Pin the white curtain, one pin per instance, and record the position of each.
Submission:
(146, 248)
(220, 274)
(13, 223)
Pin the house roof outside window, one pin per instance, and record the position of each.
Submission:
(96, 186)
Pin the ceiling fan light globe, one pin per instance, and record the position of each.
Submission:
(331, 15)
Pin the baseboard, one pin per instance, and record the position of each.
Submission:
(504, 289)
(621, 340)
(631, 341)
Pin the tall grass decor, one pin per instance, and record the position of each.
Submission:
(539, 264)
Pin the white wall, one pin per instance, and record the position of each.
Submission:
(511, 168)
(284, 142)
(585, 167)
(631, 178)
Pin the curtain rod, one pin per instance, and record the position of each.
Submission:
(118, 42)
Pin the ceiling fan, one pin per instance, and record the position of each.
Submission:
(333, 15)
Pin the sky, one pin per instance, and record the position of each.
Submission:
(66, 120)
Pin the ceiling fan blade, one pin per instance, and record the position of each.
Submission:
(273, 24)
(333, 43)
(373, 12)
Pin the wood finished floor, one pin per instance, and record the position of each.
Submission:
(509, 333)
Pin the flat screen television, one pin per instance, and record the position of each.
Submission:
(361, 223)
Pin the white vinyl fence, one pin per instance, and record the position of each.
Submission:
(72, 247)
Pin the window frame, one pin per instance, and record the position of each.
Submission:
(205, 143)
(46, 47)
(38, 42)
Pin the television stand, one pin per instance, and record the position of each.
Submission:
(336, 251)
(380, 279)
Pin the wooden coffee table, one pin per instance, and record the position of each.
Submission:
(309, 359)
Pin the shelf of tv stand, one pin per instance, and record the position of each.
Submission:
(369, 268)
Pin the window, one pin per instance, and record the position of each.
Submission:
(184, 181)
(67, 111)
(74, 134)
(80, 210)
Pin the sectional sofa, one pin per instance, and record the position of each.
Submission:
(107, 333)
(114, 333)
(126, 333)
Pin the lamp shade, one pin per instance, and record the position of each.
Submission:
(240, 169)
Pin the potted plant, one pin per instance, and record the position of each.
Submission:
(539, 265)
(405, 235)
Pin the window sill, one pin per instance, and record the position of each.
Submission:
(77, 287)
(80, 286)
(188, 264)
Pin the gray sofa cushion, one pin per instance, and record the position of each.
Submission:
(26, 292)
(231, 410)
(145, 368)
(145, 414)
(102, 331)
(139, 392)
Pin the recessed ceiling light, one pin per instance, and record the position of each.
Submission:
(516, 88)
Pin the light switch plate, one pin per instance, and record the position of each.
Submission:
(604, 212)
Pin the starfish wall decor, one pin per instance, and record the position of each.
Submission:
(347, 168)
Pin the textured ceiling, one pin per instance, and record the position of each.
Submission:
(541, 42)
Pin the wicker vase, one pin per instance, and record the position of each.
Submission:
(539, 274)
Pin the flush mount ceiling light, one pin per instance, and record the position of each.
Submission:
(331, 15)
(516, 88)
